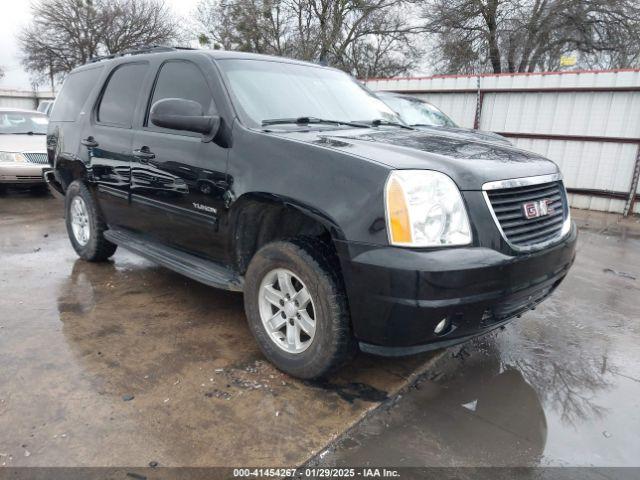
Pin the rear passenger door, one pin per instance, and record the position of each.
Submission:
(108, 140)
(177, 180)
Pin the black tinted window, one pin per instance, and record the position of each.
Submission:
(74, 93)
(119, 99)
(183, 80)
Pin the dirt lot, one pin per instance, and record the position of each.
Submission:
(127, 363)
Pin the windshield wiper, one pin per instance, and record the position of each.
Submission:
(26, 133)
(311, 120)
(379, 121)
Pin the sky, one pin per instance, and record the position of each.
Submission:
(16, 14)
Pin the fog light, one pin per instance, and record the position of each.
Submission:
(440, 327)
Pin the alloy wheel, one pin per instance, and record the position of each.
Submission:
(80, 220)
(287, 311)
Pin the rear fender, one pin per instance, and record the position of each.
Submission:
(69, 169)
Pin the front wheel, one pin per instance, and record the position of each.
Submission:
(297, 309)
(85, 225)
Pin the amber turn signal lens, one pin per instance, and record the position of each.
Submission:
(398, 214)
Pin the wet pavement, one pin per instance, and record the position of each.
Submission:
(558, 387)
(126, 363)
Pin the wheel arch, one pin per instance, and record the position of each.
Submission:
(69, 169)
(257, 218)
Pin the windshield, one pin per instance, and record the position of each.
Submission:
(44, 106)
(23, 122)
(268, 90)
(416, 112)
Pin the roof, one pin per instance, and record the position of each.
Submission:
(20, 110)
(386, 94)
(180, 52)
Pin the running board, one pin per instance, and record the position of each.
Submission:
(203, 271)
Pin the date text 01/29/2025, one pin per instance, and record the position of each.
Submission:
(316, 472)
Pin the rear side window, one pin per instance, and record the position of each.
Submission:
(121, 95)
(74, 93)
(182, 79)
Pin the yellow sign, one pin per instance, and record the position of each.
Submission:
(567, 61)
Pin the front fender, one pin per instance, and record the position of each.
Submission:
(343, 192)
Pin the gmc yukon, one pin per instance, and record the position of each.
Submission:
(344, 228)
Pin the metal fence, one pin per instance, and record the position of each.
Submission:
(586, 121)
(28, 100)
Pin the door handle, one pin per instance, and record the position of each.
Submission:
(89, 142)
(144, 154)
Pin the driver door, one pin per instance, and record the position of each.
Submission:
(177, 180)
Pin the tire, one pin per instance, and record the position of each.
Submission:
(313, 266)
(94, 247)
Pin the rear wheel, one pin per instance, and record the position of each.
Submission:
(85, 225)
(297, 308)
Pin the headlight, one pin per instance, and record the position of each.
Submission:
(425, 209)
(13, 157)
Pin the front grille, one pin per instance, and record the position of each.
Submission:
(39, 158)
(508, 208)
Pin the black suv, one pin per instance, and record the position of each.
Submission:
(292, 183)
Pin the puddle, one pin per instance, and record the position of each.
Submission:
(558, 387)
(77, 339)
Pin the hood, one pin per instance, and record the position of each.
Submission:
(466, 133)
(469, 163)
(23, 143)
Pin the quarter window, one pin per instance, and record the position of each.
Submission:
(182, 79)
(75, 91)
(121, 95)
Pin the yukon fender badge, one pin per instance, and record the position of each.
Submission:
(204, 208)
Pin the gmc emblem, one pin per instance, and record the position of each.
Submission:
(537, 209)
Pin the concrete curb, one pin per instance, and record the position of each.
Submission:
(393, 396)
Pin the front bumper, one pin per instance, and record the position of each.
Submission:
(22, 173)
(397, 296)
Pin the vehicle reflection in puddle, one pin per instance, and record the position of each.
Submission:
(488, 403)
(470, 410)
(559, 386)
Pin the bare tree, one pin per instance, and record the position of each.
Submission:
(529, 35)
(364, 37)
(1, 72)
(66, 33)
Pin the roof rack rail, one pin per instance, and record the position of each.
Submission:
(139, 51)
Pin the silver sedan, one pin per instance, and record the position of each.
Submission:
(23, 152)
